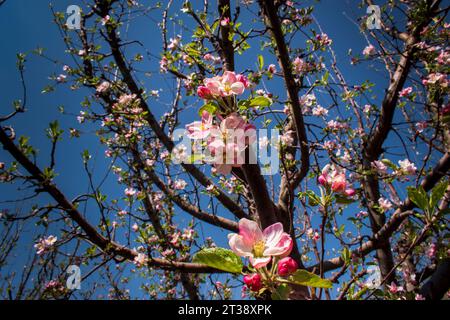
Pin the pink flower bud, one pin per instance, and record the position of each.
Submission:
(287, 266)
(322, 180)
(243, 79)
(253, 281)
(203, 92)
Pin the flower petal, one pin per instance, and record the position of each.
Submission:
(283, 248)
(272, 234)
(250, 231)
(238, 246)
(237, 88)
(259, 262)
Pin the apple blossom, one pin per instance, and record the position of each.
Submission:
(334, 178)
(45, 244)
(225, 85)
(405, 92)
(253, 281)
(384, 204)
(260, 246)
(406, 167)
(287, 266)
(199, 130)
(103, 87)
(369, 50)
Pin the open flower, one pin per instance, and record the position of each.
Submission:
(260, 246)
(199, 130)
(225, 85)
(228, 141)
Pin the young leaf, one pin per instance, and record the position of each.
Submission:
(260, 102)
(260, 62)
(309, 279)
(418, 197)
(437, 194)
(210, 107)
(219, 258)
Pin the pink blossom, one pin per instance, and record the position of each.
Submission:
(253, 281)
(436, 78)
(228, 141)
(419, 297)
(369, 50)
(174, 43)
(106, 19)
(199, 130)
(334, 178)
(379, 166)
(45, 244)
(225, 85)
(135, 227)
(405, 92)
(287, 266)
(243, 79)
(431, 252)
(443, 58)
(259, 246)
(163, 64)
(421, 126)
(272, 68)
(288, 138)
(140, 260)
(393, 288)
(179, 184)
(204, 93)
(319, 111)
(103, 87)
(384, 204)
(406, 167)
(225, 21)
(129, 192)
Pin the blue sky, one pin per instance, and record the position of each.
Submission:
(27, 25)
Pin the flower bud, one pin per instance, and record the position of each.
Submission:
(287, 266)
(203, 92)
(253, 281)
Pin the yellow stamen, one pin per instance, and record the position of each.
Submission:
(258, 249)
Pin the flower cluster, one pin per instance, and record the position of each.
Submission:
(228, 136)
(334, 178)
(262, 247)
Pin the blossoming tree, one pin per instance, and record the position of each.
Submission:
(355, 205)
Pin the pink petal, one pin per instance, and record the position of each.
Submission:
(283, 248)
(223, 168)
(259, 262)
(250, 231)
(272, 234)
(238, 246)
(237, 88)
(229, 77)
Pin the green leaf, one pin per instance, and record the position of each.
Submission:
(260, 62)
(210, 107)
(418, 197)
(305, 278)
(219, 258)
(260, 102)
(438, 193)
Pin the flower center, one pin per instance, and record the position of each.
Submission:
(258, 249)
